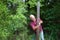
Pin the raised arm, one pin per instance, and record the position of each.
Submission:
(34, 27)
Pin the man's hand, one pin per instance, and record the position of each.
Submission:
(38, 26)
(40, 22)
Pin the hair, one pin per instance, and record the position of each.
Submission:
(32, 16)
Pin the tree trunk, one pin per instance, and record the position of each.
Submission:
(38, 16)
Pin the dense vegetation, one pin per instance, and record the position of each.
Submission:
(14, 19)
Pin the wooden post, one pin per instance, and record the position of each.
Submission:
(24, 1)
(38, 16)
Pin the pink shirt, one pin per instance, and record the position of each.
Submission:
(33, 24)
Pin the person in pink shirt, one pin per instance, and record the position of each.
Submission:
(34, 26)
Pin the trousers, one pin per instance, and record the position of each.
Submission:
(41, 36)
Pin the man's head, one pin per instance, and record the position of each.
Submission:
(32, 17)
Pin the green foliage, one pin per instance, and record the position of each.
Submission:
(14, 21)
(10, 23)
(33, 3)
(3, 21)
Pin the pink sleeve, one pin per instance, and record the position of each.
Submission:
(32, 25)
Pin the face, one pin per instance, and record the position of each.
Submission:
(32, 18)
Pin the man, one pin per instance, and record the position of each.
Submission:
(35, 26)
